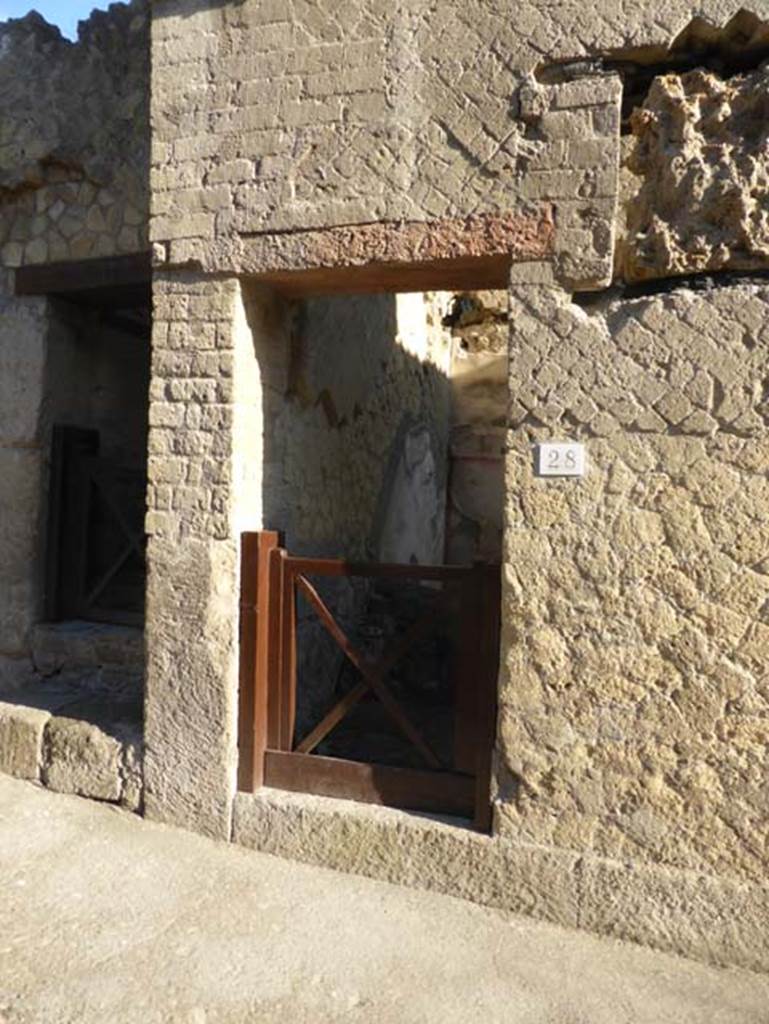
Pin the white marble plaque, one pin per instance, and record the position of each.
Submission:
(562, 458)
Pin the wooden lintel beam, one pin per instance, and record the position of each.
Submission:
(84, 275)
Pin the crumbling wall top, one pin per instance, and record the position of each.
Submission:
(74, 136)
(74, 102)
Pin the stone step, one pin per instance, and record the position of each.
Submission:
(77, 645)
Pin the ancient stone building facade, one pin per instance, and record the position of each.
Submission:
(387, 240)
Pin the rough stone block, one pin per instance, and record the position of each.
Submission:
(79, 758)
(189, 767)
(21, 740)
(586, 92)
(691, 127)
(714, 919)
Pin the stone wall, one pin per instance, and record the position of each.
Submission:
(23, 334)
(398, 114)
(634, 711)
(632, 746)
(203, 492)
(74, 137)
(70, 754)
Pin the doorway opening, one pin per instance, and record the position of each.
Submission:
(370, 609)
(87, 646)
(98, 370)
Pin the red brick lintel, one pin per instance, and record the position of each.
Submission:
(461, 253)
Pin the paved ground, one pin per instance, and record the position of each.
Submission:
(105, 919)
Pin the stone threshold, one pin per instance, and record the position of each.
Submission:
(714, 919)
(76, 644)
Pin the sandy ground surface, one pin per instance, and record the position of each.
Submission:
(106, 919)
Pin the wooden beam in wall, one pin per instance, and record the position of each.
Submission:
(122, 281)
(113, 279)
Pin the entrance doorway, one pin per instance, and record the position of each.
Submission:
(98, 368)
(88, 647)
(382, 670)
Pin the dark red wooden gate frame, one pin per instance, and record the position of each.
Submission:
(270, 582)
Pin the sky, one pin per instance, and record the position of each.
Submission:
(64, 13)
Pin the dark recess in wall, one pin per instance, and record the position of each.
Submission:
(703, 282)
(741, 45)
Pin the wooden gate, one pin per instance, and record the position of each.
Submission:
(95, 566)
(270, 752)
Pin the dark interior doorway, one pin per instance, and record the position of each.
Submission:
(96, 566)
(97, 400)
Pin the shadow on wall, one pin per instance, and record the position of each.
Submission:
(355, 421)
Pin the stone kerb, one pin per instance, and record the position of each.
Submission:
(69, 756)
(21, 741)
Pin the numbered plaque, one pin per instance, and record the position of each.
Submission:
(563, 458)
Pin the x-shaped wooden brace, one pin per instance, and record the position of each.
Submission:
(374, 675)
(133, 543)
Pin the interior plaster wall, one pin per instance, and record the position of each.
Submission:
(344, 384)
(361, 375)
(478, 425)
(357, 432)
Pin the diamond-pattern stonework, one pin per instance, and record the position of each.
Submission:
(331, 185)
(635, 715)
